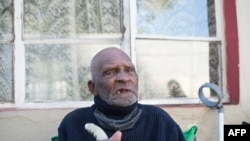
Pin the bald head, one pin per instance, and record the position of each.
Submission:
(107, 54)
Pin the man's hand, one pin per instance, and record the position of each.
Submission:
(117, 136)
(100, 134)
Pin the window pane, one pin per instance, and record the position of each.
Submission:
(6, 51)
(193, 18)
(57, 72)
(6, 72)
(171, 68)
(6, 20)
(70, 18)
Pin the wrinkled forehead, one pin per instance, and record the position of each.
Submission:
(110, 56)
(113, 56)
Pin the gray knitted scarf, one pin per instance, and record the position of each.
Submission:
(127, 122)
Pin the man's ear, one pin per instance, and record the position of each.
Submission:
(91, 86)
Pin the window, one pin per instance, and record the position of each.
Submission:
(177, 40)
(59, 20)
(174, 43)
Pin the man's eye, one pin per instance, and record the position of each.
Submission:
(110, 72)
(130, 70)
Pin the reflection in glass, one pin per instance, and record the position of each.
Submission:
(177, 18)
(192, 18)
(6, 72)
(171, 68)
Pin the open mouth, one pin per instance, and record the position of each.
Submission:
(119, 91)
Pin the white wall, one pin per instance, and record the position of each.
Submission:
(40, 125)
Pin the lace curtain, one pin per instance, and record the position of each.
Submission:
(6, 49)
(70, 18)
(55, 71)
(59, 72)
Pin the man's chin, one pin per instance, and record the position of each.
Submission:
(124, 102)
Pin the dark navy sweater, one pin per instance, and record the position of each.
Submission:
(154, 124)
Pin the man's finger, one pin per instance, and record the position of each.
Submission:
(116, 136)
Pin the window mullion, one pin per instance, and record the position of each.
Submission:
(201, 39)
(19, 55)
(126, 42)
(219, 13)
(133, 29)
(218, 16)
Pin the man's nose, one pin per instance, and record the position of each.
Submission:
(123, 76)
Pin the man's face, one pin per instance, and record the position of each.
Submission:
(116, 80)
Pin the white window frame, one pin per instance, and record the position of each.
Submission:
(219, 38)
(128, 45)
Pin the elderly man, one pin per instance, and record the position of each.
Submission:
(116, 109)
